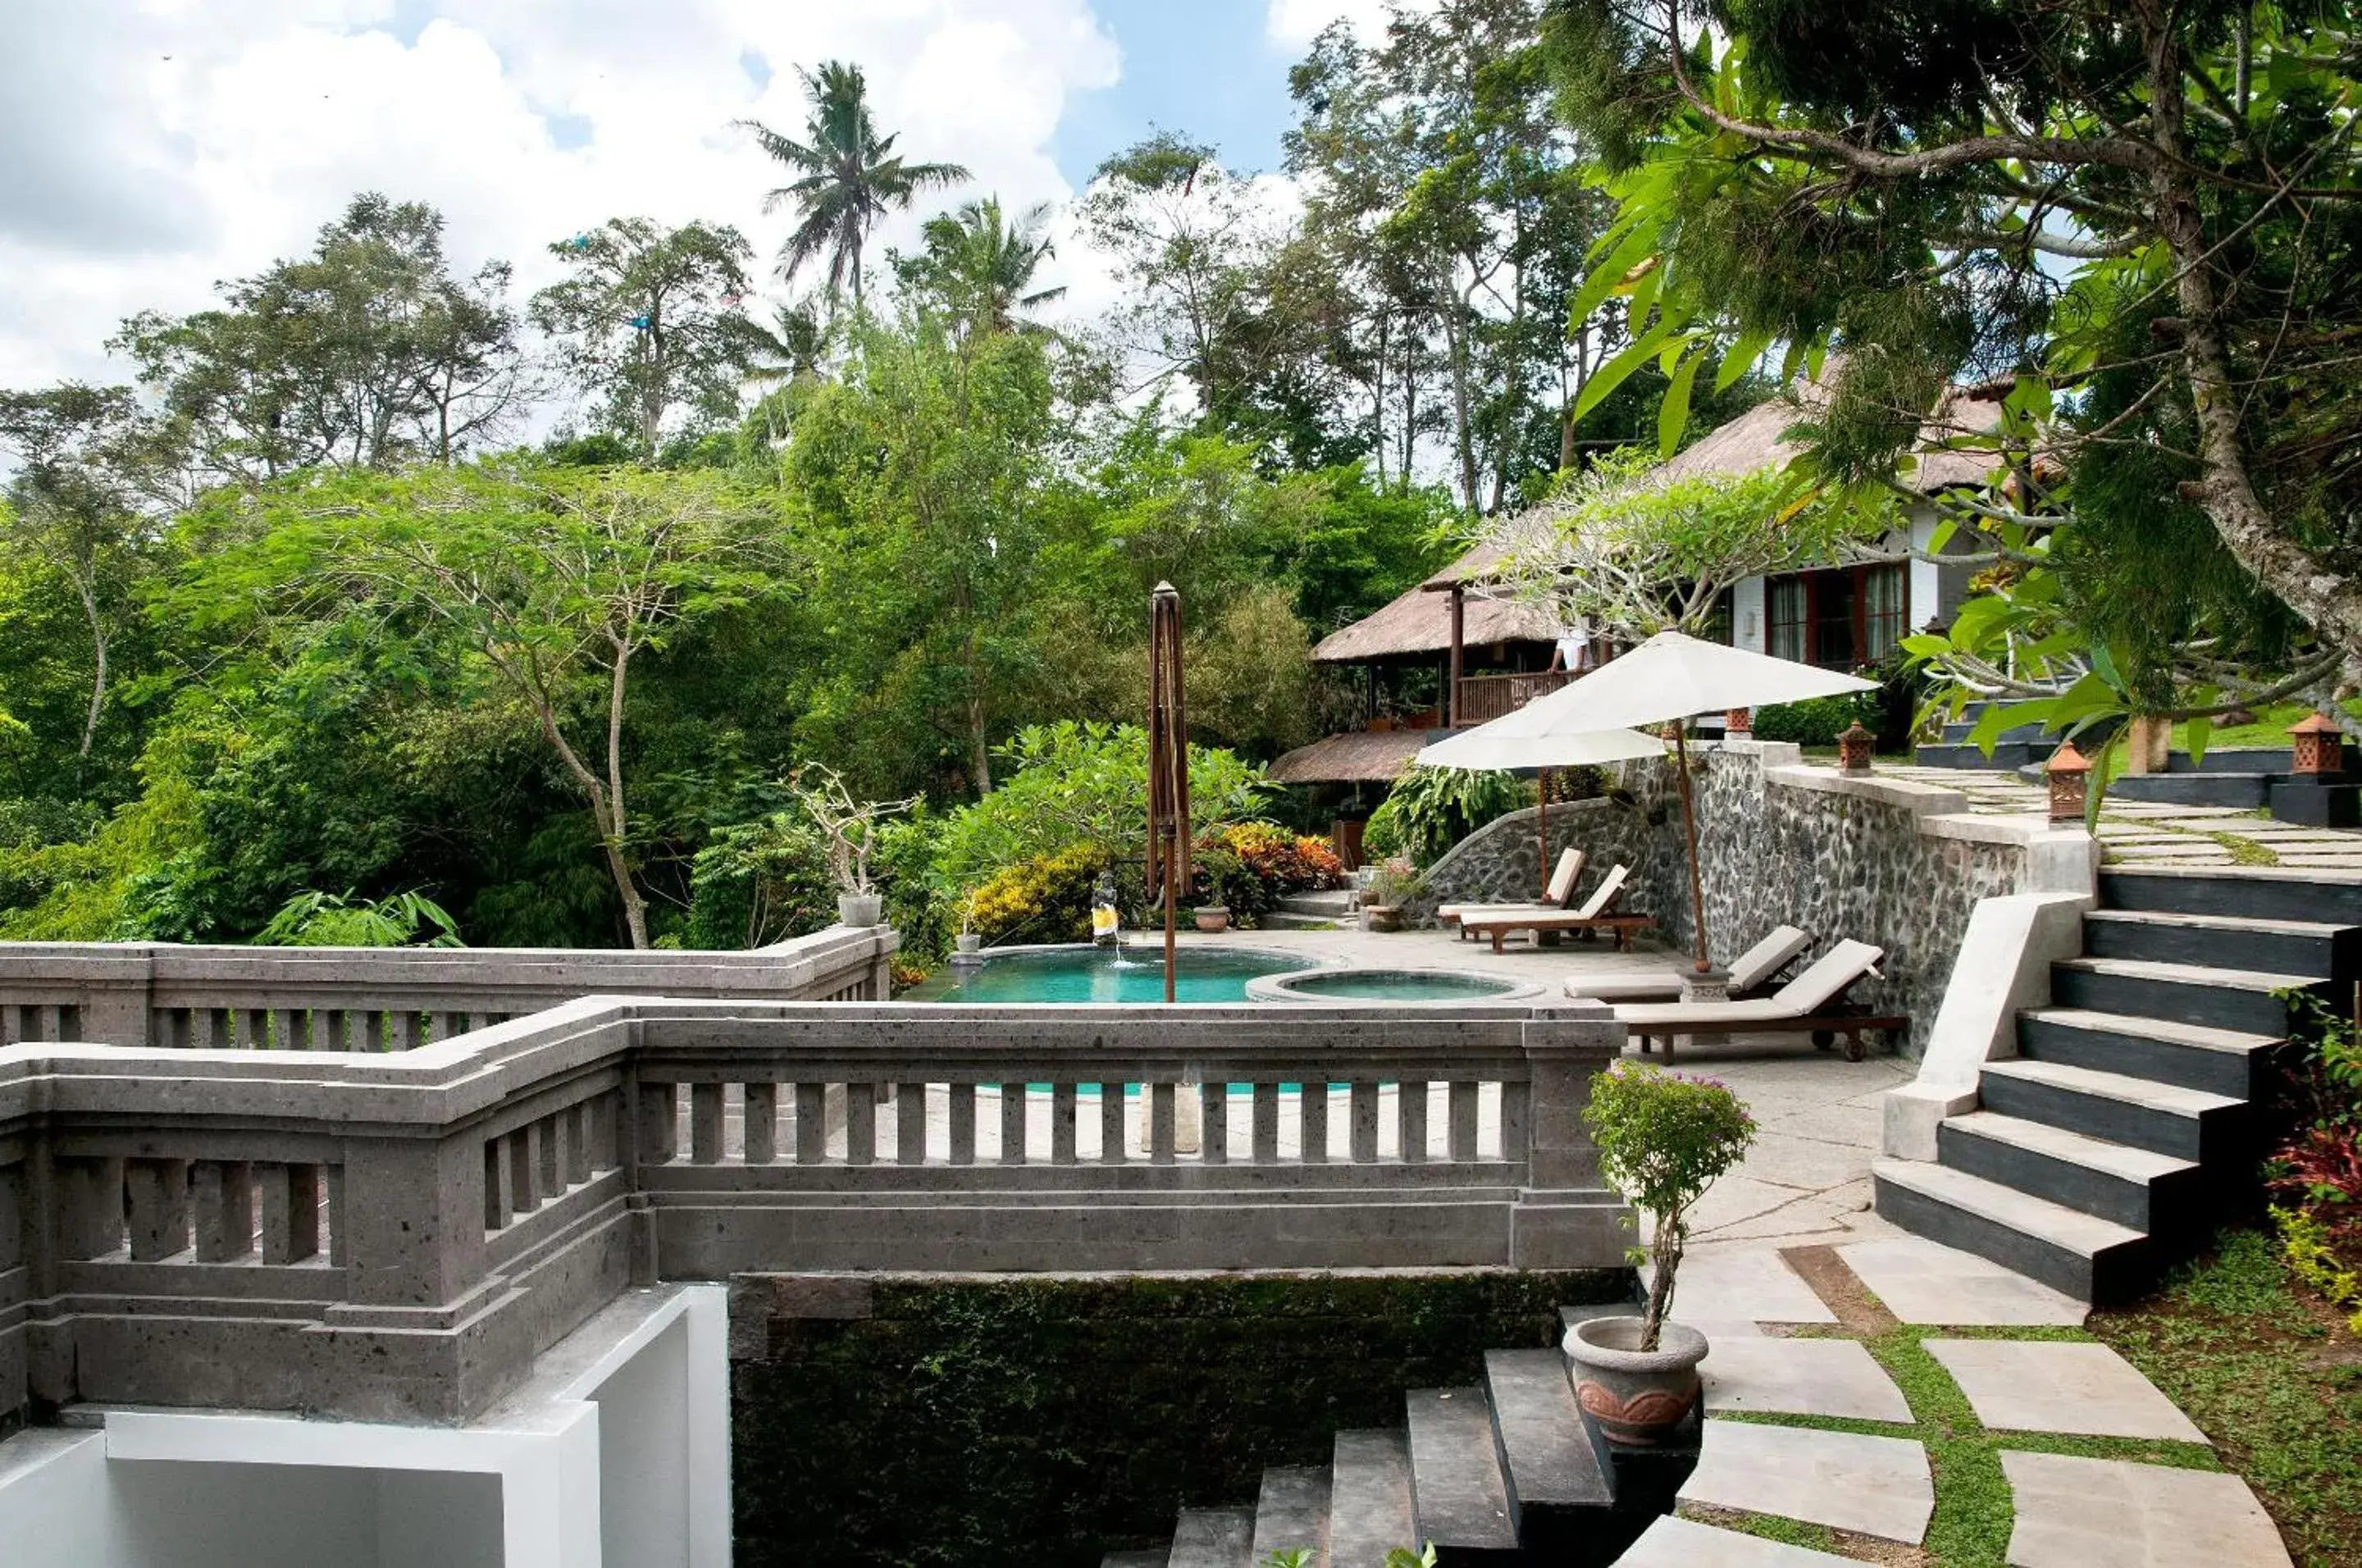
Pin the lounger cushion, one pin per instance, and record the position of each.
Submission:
(1830, 976)
(1802, 997)
(1672, 1015)
(1766, 958)
(1562, 885)
(1757, 964)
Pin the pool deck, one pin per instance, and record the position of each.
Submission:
(1444, 949)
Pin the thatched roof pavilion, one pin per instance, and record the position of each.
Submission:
(1417, 623)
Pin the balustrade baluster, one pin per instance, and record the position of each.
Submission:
(254, 1028)
(1516, 1097)
(1111, 1118)
(1364, 1098)
(527, 1194)
(1012, 1123)
(1463, 1121)
(332, 1177)
(1062, 1123)
(406, 1032)
(217, 1023)
(283, 1035)
(224, 1211)
(812, 1124)
(549, 1153)
(373, 1029)
(761, 1140)
(1160, 1125)
(92, 1225)
(963, 1124)
(157, 1194)
(860, 1124)
(1410, 1102)
(911, 1125)
(498, 1208)
(1312, 1121)
(607, 1131)
(705, 1123)
(1267, 1123)
(1214, 1118)
(658, 1131)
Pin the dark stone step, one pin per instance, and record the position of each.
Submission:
(2137, 1189)
(2017, 734)
(2189, 1124)
(1156, 1559)
(2329, 898)
(2308, 804)
(1292, 1512)
(2243, 791)
(1369, 1499)
(2083, 1256)
(1458, 1493)
(2219, 1061)
(2230, 942)
(2279, 759)
(1213, 1537)
(1556, 1480)
(2253, 1001)
(2005, 756)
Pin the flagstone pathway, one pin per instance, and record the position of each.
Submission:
(1873, 1397)
(2155, 833)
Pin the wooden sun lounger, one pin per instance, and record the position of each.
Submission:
(1813, 1003)
(1597, 915)
(1751, 972)
(1562, 888)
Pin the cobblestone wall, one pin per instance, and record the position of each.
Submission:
(1836, 864)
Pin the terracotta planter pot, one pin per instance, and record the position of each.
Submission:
(1213, 919)
(1639, 1398)
(1381, 917)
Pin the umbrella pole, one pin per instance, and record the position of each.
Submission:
(1689, 826)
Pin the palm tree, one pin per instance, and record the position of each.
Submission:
(794, 351)
(847, 176)
(984, 264)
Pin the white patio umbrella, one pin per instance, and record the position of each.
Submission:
(1481, 751)
(1667, 678)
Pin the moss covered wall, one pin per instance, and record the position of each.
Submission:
(1043, 1422)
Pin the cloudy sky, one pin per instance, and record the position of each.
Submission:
(149, 147)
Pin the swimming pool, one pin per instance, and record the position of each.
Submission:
(1080, 974)
(1388, 986)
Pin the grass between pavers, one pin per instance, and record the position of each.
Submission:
(2273, 1377)
(2246, 851)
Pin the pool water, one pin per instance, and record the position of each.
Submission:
(1396, 985)
(1104, 974)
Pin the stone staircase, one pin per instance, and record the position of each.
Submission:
(1506, 1472)
(1314, 911)
(2110, 1144)
(2025, 745)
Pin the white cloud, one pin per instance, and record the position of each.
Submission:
(149, 147)
(1293, 23)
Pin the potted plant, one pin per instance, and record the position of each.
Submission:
(1663, 1139)
(1391, 886)
(851, 828)
(1218, 865)
(969, 942)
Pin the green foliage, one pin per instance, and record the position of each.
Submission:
(1816, 721)
(1663, 1139)
(759, 882)
(1016, 1423)
(1431, 808)
(338, 920)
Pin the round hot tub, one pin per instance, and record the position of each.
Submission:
(1388, 985)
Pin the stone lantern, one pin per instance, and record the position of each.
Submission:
(2070, 772)
(2320, 746)
(1738, 722)
(1853, 748)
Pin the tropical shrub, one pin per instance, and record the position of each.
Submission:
(1663, 1139)
(2316, 1173)
(1261, 864)
(1816, 721)
(759, 882)
(1047, 897)
(339, 920)
(1431, 808)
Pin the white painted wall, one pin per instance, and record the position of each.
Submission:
(618, 1457)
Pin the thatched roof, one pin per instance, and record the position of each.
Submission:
(1757, 439)
(1374, 757)
(1419, 622)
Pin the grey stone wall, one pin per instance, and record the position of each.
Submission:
(1832, 861)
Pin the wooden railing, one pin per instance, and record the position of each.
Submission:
(1481, 697)
(396, 1235)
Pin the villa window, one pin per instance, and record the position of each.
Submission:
(1841, 618)
(1784, 600)
(1885, 602)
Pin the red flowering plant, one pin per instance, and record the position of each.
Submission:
(2315, 1175)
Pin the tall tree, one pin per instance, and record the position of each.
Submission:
(847, 176)
(651, 322)
(2159, 202)
(89, 460)
(367, 353)
(982, 265)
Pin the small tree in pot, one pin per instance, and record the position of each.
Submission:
(851, 828)
(1663, 1140)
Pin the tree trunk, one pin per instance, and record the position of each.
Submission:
(1456, 337)
(979, 753)
(2330, 600)
(635, 908)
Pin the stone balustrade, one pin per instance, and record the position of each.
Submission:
(396, 1234)
(378, 998)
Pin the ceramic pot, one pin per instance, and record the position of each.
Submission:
(1639, 1398)
(859, 909)
(970, 942)
(1213, 917)
(1381, 917)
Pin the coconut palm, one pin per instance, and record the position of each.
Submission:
(792, 349)
(847, 176)
(984, 265)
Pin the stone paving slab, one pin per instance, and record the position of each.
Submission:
(1673, 1542)
(1923, 1282)
(1753, 1283)
(1878, 1486)
(2108, 1513)
(1802, 1377)
(2029, 1387)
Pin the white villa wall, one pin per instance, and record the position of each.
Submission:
(617, 1456)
